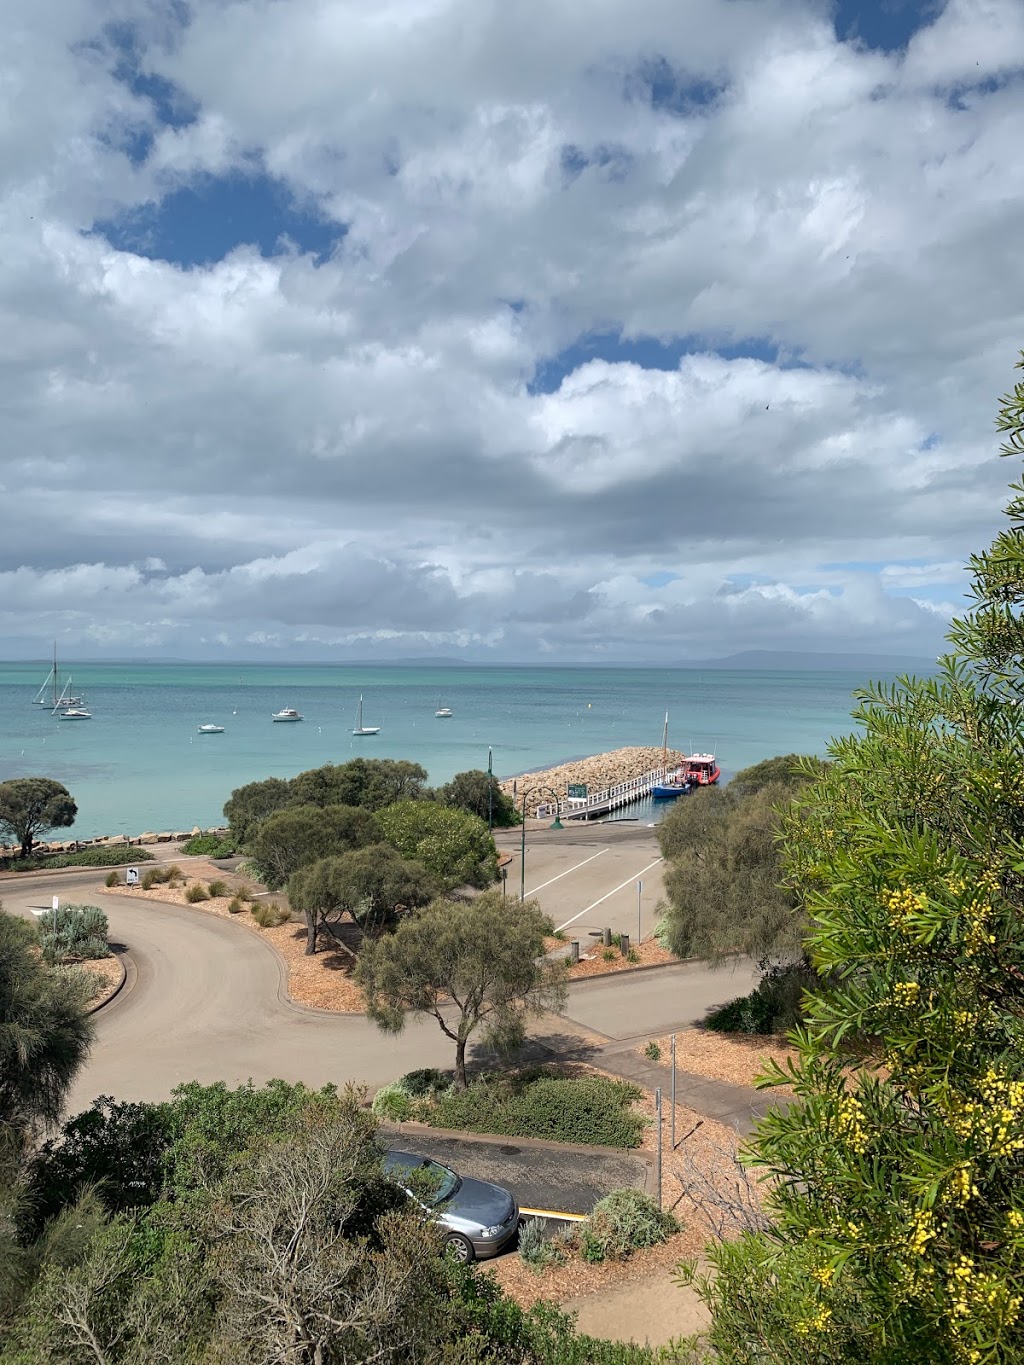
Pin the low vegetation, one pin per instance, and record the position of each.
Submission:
(623, 1222)
(209, 846)
(195, 892)
(102, 855)
(73, 933)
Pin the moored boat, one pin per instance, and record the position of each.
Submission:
(702, 770)
(211, 729)
(360, 728)
(286, 713)
(672, 784)
(75, 713)
(443, 712)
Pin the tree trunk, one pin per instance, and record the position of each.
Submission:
(460, 1064)
(312, 923)
(26, 845)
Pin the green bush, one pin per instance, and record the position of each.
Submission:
(425, 1081)
(217, 889)
(537, 1249)
(111, 879)
(269, 916)
(103, 855)
(392, 1102)
(652, 1052)
(236, 906)
(209, 846)
(196, 892)
(775, 1005)
(633, 956)
(535, 1103)
(623, 1222)
(73, 931)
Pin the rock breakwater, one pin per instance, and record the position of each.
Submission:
(597, 772)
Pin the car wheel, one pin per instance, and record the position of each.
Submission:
(460, 1248)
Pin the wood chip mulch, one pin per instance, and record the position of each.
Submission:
(322, 980)
(107, 971)
(593, 962)
(738, 1058)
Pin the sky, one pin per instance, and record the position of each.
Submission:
(633, 330)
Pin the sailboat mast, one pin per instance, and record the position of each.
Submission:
(55, 696)
(664, 745)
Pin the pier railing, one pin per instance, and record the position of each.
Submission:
(610, 798)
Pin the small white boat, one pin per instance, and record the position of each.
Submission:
(286, 713)
(443, 712)
(211, 729)
(76, 713)
(360, 728)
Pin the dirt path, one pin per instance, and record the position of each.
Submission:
(651, 1310)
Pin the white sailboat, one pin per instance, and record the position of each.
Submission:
(443, 712)
(211, 729)
(360, 728)
(51, 685)
(69, 707)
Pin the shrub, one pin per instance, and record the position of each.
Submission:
(111, 879)
(73, 931)
(633, 956)
(661, 931)
(173, 873)
(536, 1248)
(652, 1051)
(244, 892)
(209, 846)
(236, 905)
(609, 954)
(196, 892)
(621, 1223)
(774, 1006)
(217, 889)
(149, 880)
(392, 1102)
(104, 855)
(269, 916)
(425, 1081)
(585, 1109)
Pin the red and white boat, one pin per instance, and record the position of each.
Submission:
(702, 770)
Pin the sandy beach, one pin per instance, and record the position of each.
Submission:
(598, 772)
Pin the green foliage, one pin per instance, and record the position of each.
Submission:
(789, 769)
(724, 875)
(371, 783)
(609, 954)
(632, 957)
(535, 1103)
(370, 884)
(299, 836)
(209, 846)
(652, 1051)
(393, 1102)
(73, 932)
(32, 806)
(268, 916)
(236, 905)
(196, 892)
(473, 967)
(44, 1031)
(424, 1081)
(111, 879)
(775, 1005)
(623, 1222)
(480, 795)
(247, 806)
(102, 855)
(536, 1248)
(898, 1208)
(217, 889)
(452, 844)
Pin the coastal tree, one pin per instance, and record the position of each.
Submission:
(453, 844)
(45, 1032)
(479, 793)
(896, 1178)
(31, 807)
(247, 806)
(473, 967)
(297, 836)
(370, 884)
(368, 782)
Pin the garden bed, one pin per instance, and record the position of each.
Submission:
(737, 1058)
(322, 980)
(108, 973)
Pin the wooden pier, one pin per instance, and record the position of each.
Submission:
(601, 802)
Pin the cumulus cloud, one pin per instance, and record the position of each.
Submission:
(612, 295)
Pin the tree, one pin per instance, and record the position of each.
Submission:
(452, 844)
(299, 835)
(45, 1032)
(476, 966)
(480, 794)
(897, 1176)
(370, 884)
(32, 806)
(247, 806)
(368, 782)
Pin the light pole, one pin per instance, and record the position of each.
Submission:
(490, 791)
(556, 824)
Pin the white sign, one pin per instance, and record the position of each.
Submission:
(132, 876)
(56, 902)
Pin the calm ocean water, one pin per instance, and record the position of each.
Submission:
(140, 765)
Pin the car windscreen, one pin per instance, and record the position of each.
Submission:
(433, 1183)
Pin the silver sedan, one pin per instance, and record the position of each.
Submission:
(480, 1219)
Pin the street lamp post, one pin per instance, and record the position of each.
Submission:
(556, 824)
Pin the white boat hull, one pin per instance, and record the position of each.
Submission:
(367, 730)
(211, 729)
(76, 715)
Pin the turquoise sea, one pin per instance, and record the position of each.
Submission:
(139, 764)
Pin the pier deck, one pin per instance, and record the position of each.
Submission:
(601, 802)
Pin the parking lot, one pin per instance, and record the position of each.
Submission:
(589, 877)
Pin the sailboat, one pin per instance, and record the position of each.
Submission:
(52, 684)
(360, 728)
(672, 784)
(443, 712)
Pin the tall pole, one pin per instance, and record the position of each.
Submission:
(657, 1119)
(522, 855)
(639, 932)
(490, 791)
(673, 1092)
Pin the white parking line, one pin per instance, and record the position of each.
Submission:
(635, 877)
(566, 873)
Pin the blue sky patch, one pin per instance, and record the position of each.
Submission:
(883, 25)
(660, 580)
(614, 161)
(659, 84)
(650, 353)
(202, 222)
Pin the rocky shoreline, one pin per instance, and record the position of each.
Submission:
(598, 771)
(115, 841)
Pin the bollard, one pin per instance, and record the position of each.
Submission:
(624, 945)
(574, 952)
(607, 938)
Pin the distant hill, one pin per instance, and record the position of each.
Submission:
(783, 661)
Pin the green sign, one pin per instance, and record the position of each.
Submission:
(577, 789)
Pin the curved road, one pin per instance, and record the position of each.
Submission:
(206, 1001)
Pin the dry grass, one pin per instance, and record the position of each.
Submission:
(323, 980)
(734, 1057)
(107, 971)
